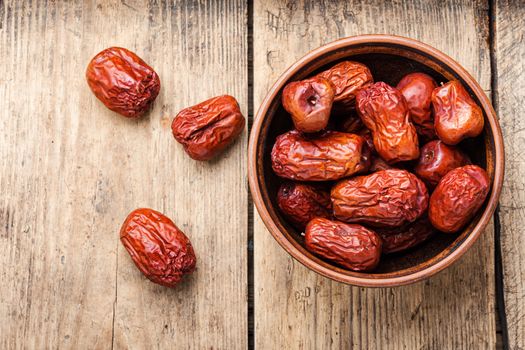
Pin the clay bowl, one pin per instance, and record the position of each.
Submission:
(389, 58)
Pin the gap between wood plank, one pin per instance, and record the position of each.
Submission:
(498, 268)
(251, 284)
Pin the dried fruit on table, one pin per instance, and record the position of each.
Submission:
(207, 128)
(158, 248)
(123, 81)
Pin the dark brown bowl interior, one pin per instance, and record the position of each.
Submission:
(389, 62)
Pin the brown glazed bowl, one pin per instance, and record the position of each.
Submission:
(389, 58)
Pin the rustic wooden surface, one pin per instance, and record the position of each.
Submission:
(509, 25)
(71, 170)
(295, 308)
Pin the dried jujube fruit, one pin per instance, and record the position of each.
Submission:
(347, 77)
(349, 245)
(391, 197)
(417, 89)
(300, 202)
(123, 81)
(398, 239)
(158, 248)
(329, 156)
(207, 128)
(456, 115)
(437, 159)
(384, 111)
(309, 102)
(458, 197)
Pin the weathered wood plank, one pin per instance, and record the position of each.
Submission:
(510, 93)
(70, 171)
(202, 52)
(57, 233)
(294, 307)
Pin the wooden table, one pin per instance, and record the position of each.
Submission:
(71, 170)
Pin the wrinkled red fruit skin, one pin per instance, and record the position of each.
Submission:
(157, 247)
(207, 128)
(456, 115)
(390, 197)
(378, 164)
(352, 246)
(309, 102)
(436, 160)
(348, 77)
(329, 156)
(457, 198)
(300, 203)
(417, 89)
(122, 81)
(398, 239)
(384, 111)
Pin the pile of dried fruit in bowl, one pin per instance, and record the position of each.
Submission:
(372, 169)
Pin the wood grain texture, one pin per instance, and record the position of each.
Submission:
(71, 170)
(294, 307)
(510, 93)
